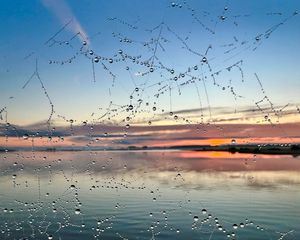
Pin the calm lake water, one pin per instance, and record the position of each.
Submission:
(149, 195)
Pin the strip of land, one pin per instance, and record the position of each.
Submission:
(284, 149)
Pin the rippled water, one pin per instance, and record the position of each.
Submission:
(149, 195)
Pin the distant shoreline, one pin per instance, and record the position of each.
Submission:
(282, 149)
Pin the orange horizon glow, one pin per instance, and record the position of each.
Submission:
(69, 142)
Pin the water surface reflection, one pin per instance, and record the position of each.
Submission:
(148, 195)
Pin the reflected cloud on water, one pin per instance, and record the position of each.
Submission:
(186, 169)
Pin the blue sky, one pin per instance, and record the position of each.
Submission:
(26, 26)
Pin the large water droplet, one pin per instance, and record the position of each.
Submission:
(25, 136)
(77, 211)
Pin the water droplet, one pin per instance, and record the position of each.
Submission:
(204, 211)
(25, 136)
(110, 60)
(196, 218)
(77, 211)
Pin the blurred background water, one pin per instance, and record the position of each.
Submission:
(149, 195)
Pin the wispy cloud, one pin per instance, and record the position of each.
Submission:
(245, 114)
(64, 14)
